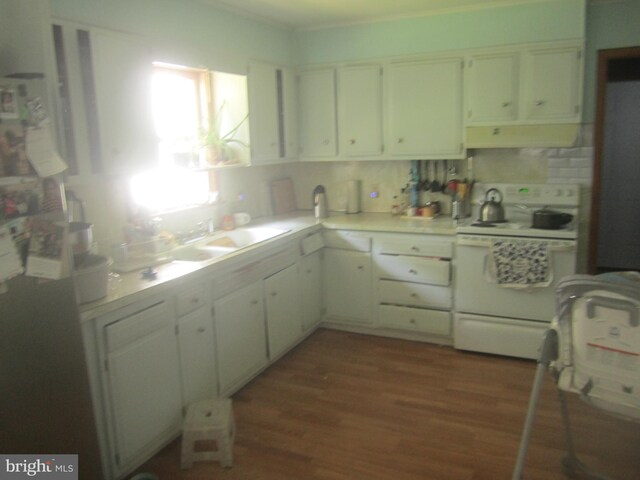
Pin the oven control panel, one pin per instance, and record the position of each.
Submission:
(532, 194)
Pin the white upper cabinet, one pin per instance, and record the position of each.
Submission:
(317, 114)
(360, 111)
(527, 85)
(264, 113)
(492, 87)
(122, 78)
(552, 84)
(289, 109)
(424, 109)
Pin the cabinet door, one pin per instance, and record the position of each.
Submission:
(552, 84)
(311, 285)
(144, 380)
(290, 112)
(264, 113)
(424, 108)
(347, 285)
(360, 110)
(284, 322)
(197, 356)
(240, 335)
(122, 77)
(492, 88)
(317, 103)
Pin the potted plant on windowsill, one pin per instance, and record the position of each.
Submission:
(221, 149)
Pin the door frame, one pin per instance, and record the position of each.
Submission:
(604, 57)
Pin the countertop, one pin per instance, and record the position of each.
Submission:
(129, 287)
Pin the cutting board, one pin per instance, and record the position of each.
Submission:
(283, 197)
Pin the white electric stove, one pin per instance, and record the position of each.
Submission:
(489, 316)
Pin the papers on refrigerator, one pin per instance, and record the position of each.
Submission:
(10, 263)
(42, 154)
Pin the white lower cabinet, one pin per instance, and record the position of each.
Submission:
(241, 343)
(282, 302)
(347, 286)
(142, 381)
(197, 356)
(196, 343)
(310, 271)
(413, 278)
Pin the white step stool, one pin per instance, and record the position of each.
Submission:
(208, 420)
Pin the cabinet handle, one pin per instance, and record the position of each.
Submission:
(400, 140)
(325, 142)
(539, 103)
(195, 300)
(505, 104)
(254, 302)
(412, 321)
(360, 267)
(352, 141)
(415, 249)
(414, 295)
(413, 272)
(273, 294)
(201, 329)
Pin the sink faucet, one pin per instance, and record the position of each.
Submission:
(201, 230)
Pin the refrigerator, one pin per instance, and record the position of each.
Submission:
(45, 399)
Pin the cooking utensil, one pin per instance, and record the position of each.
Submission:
(435, 184)
(492, 210)
(445, 167)
(550, 219)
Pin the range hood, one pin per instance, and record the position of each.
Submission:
(520, 136)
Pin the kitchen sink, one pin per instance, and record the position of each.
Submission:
(198, 253)
(244, 237)
(224, 243)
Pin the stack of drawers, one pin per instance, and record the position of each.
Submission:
(413, 275)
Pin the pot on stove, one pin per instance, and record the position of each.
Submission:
(550, 219)
(492, 210)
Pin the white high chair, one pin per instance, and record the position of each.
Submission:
(593, 350)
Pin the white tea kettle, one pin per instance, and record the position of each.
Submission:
(320, 208)
(492, 210)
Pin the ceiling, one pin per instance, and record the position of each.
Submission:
(310, 14)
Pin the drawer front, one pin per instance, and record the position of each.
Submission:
(414, 246)
(414, 269)
(190, 300)
(347, 240)
(129, 329)
(312, 243)
(414, 294)
(415, 319)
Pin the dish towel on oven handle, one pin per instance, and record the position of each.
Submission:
(520, 264)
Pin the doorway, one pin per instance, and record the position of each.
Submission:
(614, 236)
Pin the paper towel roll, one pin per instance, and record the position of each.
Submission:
(354, 187)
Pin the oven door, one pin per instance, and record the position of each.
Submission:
(475, 293)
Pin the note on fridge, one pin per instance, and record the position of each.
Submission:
(10, 264)
(42, 153)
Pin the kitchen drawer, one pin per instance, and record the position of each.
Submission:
(413, 269)
(138, 325)
(188, 301)
(347, 240)
(312, 243)
(414, 245)
(416, 319)
(414, 294)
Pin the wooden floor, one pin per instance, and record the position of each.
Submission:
(344, 406)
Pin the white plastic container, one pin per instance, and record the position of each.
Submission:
(92, 278)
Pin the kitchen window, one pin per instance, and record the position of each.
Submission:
(192, 107)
